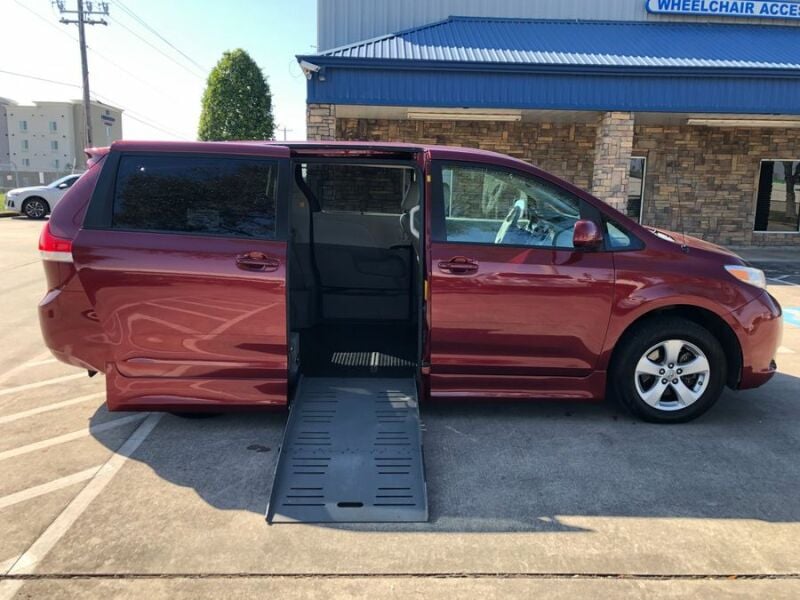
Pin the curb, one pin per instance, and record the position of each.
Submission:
(8, 215)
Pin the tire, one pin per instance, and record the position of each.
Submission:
(35, 208)
(647, 359)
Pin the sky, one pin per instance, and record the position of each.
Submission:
(159, 87)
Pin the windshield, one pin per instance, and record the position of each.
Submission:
(69, 179)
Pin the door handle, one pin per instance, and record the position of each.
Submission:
(459, 265)
(257, 261)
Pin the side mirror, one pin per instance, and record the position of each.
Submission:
(63, 186)
(587, 235)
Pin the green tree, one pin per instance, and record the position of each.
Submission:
(237, 103)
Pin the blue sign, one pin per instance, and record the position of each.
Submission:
(773, 9)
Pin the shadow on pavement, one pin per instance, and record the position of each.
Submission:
(518, 467)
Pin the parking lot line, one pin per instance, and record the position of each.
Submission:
(7, 564)
(38, 363)
(23, 366)
(102, 477)
(69, 437)
(37, 384)
(48, 407)
(46, 488)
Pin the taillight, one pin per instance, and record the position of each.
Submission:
(54, 248)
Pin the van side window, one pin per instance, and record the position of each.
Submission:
(202, 195)
(495, 206)
(360, 189)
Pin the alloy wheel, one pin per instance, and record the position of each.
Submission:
(672, 375)
(35, 209)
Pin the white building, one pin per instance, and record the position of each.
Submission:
(44, 140)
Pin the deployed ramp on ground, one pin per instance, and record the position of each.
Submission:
(351, 453)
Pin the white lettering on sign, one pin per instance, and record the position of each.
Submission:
(776, 9)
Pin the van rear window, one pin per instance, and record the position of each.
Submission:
(202, 195)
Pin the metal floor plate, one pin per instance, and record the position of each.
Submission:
(351, 453)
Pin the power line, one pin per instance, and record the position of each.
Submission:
(158, 35)
(135, 115)
(74, 85)
(157, 49)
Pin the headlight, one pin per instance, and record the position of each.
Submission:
(749, 275)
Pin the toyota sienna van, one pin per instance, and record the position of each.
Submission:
(216, 276)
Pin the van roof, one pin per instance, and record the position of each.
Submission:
(325, 148)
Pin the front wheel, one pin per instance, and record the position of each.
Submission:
(35, 208)
(669, 370)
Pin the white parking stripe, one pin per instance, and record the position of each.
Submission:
(46, 488)
(48, 407)
(38, 384)
(41, 547)
(785, 350)
(69, 437)
(7, 564)
(37, 363)
(19, 368)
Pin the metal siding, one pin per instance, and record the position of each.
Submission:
(504, 89)
(515, 41)
(341, 22)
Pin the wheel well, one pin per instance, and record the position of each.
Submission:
(46, 203)
(705, 318)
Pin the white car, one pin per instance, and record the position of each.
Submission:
(38, 201)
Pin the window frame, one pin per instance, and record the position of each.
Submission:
(644, 180)
(755, 200)
(99, 215)
(438, 227)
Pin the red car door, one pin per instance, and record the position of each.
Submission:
(515, 310)
(183, 257)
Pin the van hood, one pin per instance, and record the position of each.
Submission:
(693, 242)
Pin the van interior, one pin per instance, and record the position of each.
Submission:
(355, 268)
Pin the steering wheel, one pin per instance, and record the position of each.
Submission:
(511, 220)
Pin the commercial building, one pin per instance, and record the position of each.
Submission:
(45, 140)
(682, 113)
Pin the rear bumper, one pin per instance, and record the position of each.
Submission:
(759, 327)
(70, 329)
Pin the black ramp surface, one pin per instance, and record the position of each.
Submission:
(352, 453)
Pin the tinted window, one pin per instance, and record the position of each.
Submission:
(494, 206)
(357, 188)
(216, 196)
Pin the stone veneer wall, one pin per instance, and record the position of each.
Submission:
(612, 158)
(564, 149)
(714, 172)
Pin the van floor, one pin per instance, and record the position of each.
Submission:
(359, 349)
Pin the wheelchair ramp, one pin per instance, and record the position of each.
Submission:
(351, 453)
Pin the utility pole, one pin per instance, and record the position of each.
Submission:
(84, 17)
(285, 131)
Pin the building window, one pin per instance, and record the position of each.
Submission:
(26, 162)
(776, 201)
(23, 126)
(54, 145)
(636, 176)
(53, 126)
(56, 163)
(25, 145)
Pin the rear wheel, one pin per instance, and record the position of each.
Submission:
(669, 370)
(35, 208)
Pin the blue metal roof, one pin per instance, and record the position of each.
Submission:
(571, 65)
(587, 43)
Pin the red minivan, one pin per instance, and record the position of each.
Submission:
(213, 276)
